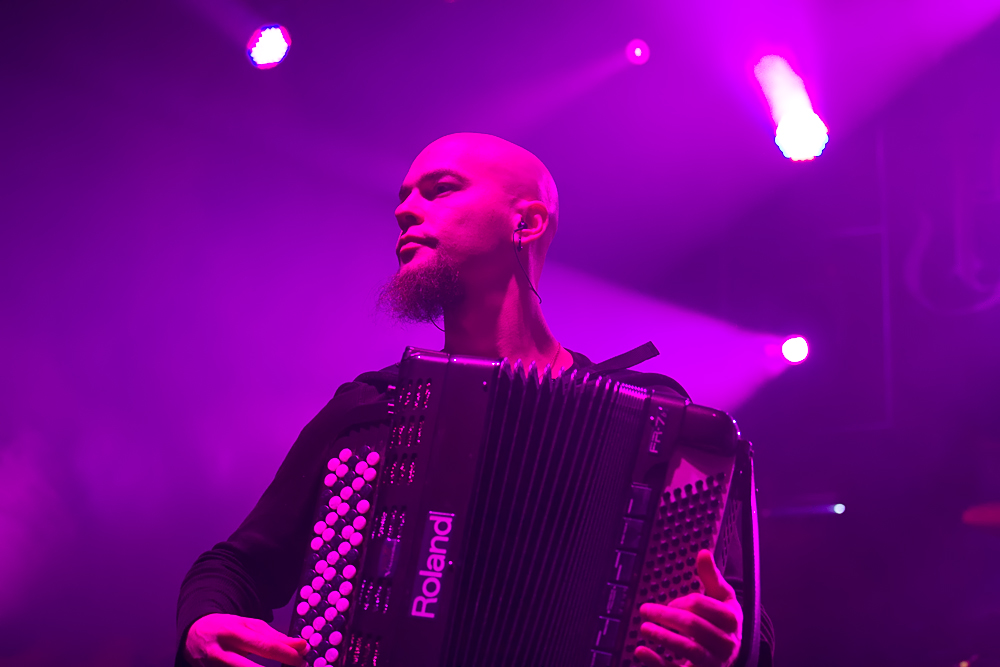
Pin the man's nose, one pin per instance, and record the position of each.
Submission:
(408, 213)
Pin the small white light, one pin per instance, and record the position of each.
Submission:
(268, 46)
(839, 508)
(637, 52)
(795, 349)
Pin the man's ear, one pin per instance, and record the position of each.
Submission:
(534, 222)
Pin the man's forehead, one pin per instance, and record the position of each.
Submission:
(484, 158)
(457, 157)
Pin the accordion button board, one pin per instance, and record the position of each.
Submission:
(501, 517)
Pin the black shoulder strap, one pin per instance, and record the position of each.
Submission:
(626, 360)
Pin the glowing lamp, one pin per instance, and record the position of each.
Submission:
(799, 132)
(795, 349)
(637, 52)
(839, 508)
(268, 46)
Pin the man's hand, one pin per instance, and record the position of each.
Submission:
(699, 630)
(225, 639)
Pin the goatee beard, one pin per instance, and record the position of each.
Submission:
(422, 294)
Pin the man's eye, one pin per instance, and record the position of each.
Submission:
(442, 188)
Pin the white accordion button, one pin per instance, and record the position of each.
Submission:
(320, 662)
(342, 470)
(306, 592)
(317, 583)
(372, 459)
(359, 522)
(361, 467)
(346, 532)
(343, 508)
(357, 483)
(328, 534)
(314, 599)
(332, 598)
(319, 527)
(334, 502)
(356, 539)
(331, 518)
(329, 479)
(319, 622)
(346, 588)
(320, 566)
(342, 604)
(332, 464)
(330, 613)
(369, 474)
(346, 492)
(336, 638)
(332, 655)
(316, 543)
(344, 548)
(332, 557)
(364, 506)
(350, 571)
(307, 632)
(316, 639)
(345, 455)
(330, 573)
(302, 608)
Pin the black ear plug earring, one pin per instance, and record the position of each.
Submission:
(518, 248)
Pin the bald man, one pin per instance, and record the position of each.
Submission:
(476, 217)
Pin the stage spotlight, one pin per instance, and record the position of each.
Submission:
(268, 46)
(799, 133)
(795, 349)
(839, 508)
(637, 52)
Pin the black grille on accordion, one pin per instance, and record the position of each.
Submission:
(499, 517)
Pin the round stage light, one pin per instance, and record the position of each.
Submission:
(801, 135)
(268, 46)
(795, 349)
(637, 52)
(839, 508)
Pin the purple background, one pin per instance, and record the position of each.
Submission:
(190, 250)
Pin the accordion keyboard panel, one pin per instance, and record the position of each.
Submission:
(330, 586)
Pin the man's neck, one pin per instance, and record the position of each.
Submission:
(503, 322)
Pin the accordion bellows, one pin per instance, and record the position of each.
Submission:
(496, 518)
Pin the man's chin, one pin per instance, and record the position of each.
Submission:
(421, 289)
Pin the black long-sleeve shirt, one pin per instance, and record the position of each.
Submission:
(256, 570)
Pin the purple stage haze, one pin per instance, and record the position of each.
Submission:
(191, 248)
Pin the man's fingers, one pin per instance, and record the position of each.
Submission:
(678, 645)
(720, 644)
(715, 585)
(266, 643)
(727, 616)
(651, 658)
(297, 643)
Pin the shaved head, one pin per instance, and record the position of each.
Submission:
(515, 169)
(476, 212)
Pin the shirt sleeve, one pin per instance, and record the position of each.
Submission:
(256, 569)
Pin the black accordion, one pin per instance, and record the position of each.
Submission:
(489, 515)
